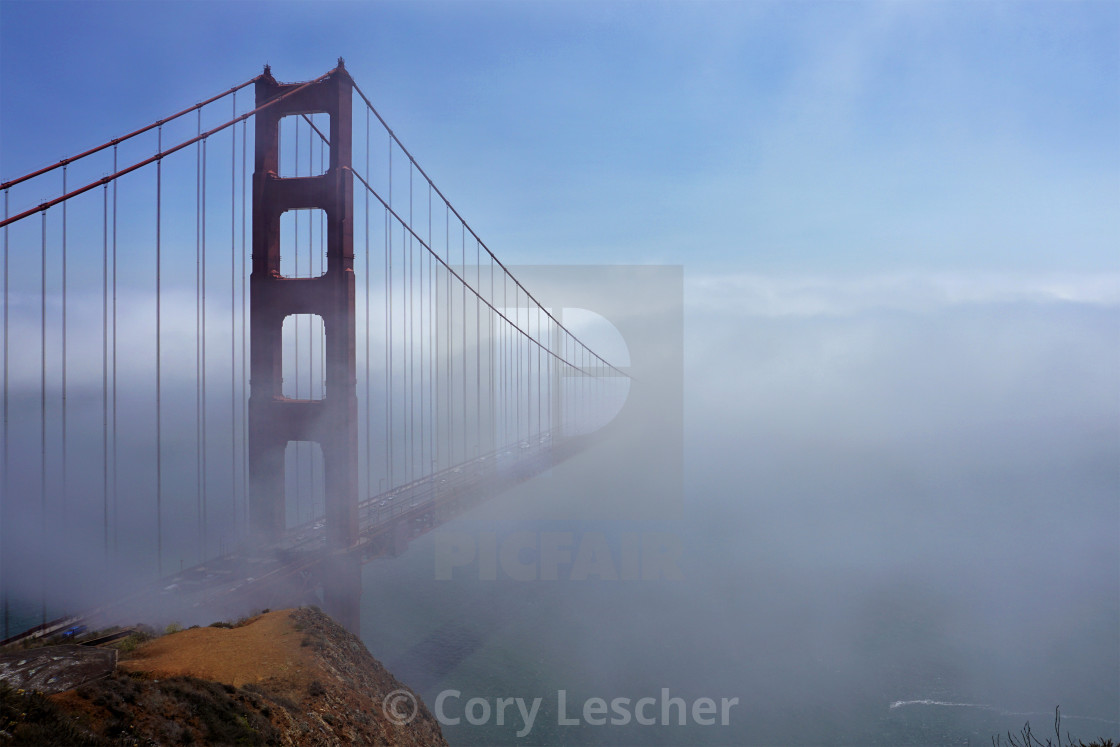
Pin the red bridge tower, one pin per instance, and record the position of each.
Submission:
(274, 419)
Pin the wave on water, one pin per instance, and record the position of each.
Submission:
(901, 703)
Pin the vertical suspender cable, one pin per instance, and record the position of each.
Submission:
(322, 271)
(523, 392)
(244, 332)
(310, 324)
(433, 370)
(322, 329)
(577, 389)
(517, 363)
(431, 343)
(533, 399)
(575, 386)
(409, 331)
(105, 366)
(202, 363)
(463, 283)
(65, 481)
(450, 361)
(547, 334)
(529, 372)
(437, 317)
(406, 338)
(419, 333)
(551, 376)
(490, 319)
(312, 337)
(369, 445)
(197, 337)
(478, 352)
(233, 314)
(389, 461)
(4, 478)
(535, 350)
(113, 428)
(587, 390)
(309, 353)
(524, 368)
(408, 351)
(503, 393)
(295, 323)
(159, 361)
(506, 409)
(391, 391)
(447, 309)
(416, 393)
(542, 361)
(528, 359)
(43, 412)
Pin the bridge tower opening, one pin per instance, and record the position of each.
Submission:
(274, 419)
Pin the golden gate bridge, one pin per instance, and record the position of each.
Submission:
(230, 388)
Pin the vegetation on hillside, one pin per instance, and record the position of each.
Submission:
(1026, 738)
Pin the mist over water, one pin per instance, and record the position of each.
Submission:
(898, 527)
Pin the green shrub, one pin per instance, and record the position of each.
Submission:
(129, 643)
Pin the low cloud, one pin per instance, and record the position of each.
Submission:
(821, 295)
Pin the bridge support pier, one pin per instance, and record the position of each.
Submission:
(341, 576)
(274, 419)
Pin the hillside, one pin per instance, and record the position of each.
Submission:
(289, 677)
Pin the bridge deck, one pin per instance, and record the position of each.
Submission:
(286, 573)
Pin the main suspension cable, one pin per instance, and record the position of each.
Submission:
(161, 154)
(467, 227)
(115, 141)
(462, 280)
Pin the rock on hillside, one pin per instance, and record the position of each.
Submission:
(290, 677)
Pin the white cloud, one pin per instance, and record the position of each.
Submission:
(820, 295)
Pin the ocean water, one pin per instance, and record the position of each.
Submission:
(819, 658)
(894, 530)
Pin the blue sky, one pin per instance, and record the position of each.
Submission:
(899, 224)
(784, 137)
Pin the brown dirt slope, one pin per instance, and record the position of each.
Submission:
(291, 677)
(268, 647)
